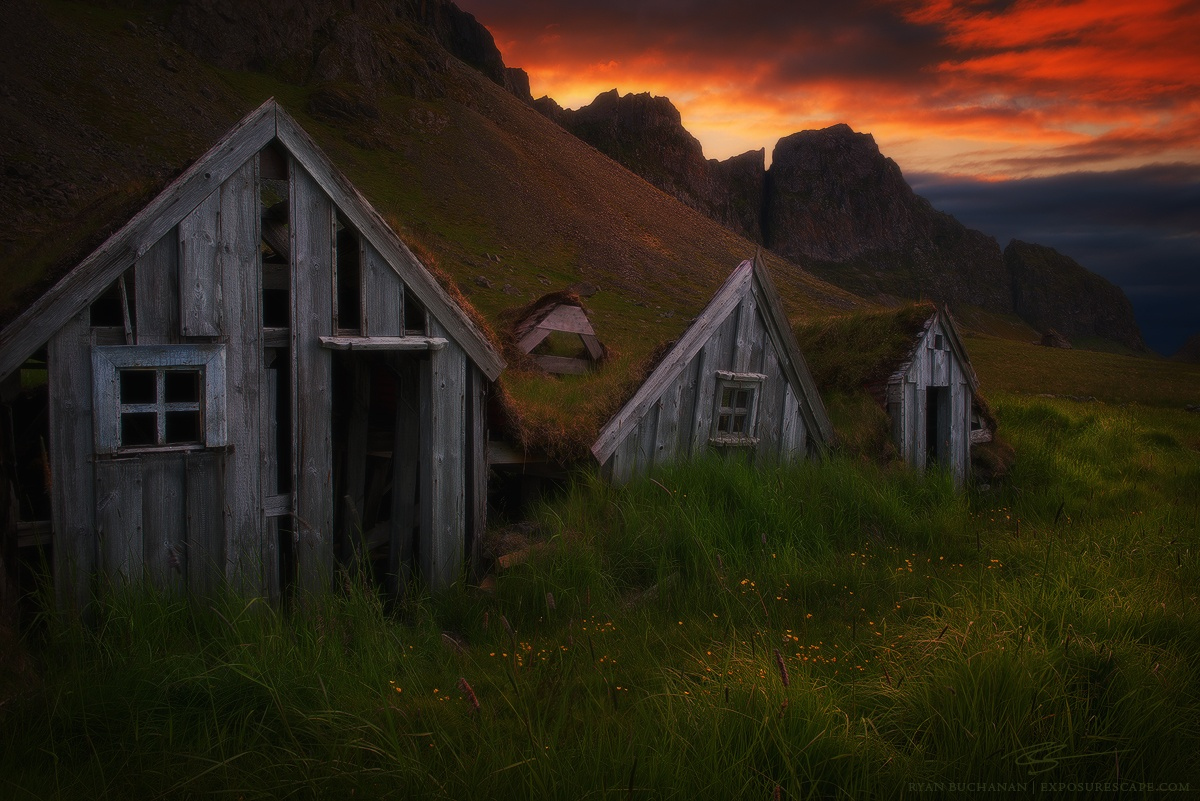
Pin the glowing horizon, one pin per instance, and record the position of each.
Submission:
(1032, 89)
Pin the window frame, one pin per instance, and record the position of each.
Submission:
(109, 360)
(752, 382)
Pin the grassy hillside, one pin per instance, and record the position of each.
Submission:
(482, 187)
(834, 630)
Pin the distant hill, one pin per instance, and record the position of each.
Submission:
(834, 202)
(1190, 351)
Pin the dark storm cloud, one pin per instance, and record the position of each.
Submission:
(800, 41)
(1139, 228)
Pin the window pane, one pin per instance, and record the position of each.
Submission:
(182, 427)
(140, 428)
(138, 386)
(727, 397)
(743, 399)
(182, 386)
(739, 424)
(723, 424)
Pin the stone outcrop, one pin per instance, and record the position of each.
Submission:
(1051, 290)
(833, 198)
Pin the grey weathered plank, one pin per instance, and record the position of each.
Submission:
(157, 279)
(594, 348)
(85, 282)
(238, 254)
(383, 295)
(568, 319)
(412, 343)
(363, 217)
(118, 516)
(268, 460)
(685, 425)
(666, 442)
(443, 490)
(770, 405)
(312, 318)
(164, 519)
(747, 332)
(204, 504)
(199, 269)
(70, 452)
(648, 438)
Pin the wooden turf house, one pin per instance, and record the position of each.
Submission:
(914, 364)
(734, 382)
(251, 381)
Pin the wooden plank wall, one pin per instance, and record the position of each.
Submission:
(679, 424)
(70, 450)
(156, 277)
(312, 317)
(383, 295)
(443, 468)
(934, 368)
(238, 256)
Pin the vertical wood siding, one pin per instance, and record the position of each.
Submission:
(383, 296)
(70, 451)
(443, 450)
(156, 276)
(679, 423)
(238, 266)
(199, 276)
(312, 317)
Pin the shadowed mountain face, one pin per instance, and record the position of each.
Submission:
(1051, 290)
(832, 201)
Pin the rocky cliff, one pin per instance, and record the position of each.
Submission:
(834, 199)
(833, 202)
(646, 134)
(1051, 290)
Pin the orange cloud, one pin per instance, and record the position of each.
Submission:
(1025, 88)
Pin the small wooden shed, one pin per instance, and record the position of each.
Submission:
(558, 315)
(253, 380)
(735, 381)
(929, 397)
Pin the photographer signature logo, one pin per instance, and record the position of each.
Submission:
(1045, 757)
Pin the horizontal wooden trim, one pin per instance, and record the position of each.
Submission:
(34, 533)
(733, 441)
(277, 505)
(756, 378)
(277, 337)
(383, 343)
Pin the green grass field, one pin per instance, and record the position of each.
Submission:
(831, 630)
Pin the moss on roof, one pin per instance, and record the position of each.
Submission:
(853, 350)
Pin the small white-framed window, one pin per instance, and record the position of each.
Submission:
(148, 397)
(735, 414)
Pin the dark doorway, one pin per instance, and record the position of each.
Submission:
(937, 426)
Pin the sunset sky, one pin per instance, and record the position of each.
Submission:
(988, 107)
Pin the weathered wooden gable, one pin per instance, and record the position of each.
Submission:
(734, 381)
(930, 400)
(191, 378)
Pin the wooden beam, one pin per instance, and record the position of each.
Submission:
(383, 343)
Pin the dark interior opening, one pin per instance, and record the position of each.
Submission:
(349, 278)
(414, 315)
(937, 418)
